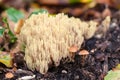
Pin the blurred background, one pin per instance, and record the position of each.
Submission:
(85, 9)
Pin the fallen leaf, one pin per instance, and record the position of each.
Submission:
(113, 75)
(6, 59)
(18, 26)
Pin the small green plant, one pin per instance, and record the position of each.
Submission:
(10, 33)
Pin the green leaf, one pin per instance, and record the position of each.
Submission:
(14, 14)
(39, 11)
(113, 75)
(2, 31)
(10, 33)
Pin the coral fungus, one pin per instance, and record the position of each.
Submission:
(47, 38)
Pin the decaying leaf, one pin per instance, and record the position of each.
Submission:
(6, 59)
(18, 26)
(113, 75)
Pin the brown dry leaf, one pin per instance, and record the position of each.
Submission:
(18, 26)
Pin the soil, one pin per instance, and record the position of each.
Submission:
(104, 56)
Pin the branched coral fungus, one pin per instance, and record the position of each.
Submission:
(47, 38)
